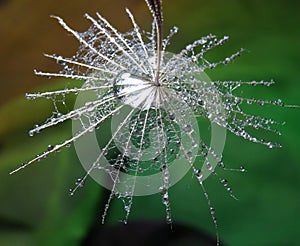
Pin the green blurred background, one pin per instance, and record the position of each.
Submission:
(35, 208)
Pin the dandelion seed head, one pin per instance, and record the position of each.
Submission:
(153, 99)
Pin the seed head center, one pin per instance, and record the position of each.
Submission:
(137, 91)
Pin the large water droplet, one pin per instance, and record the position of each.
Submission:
(135, 91)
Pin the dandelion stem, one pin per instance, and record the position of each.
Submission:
(155, 7)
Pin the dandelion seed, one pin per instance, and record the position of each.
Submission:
(153, 99)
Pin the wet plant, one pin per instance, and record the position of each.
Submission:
(154, 100)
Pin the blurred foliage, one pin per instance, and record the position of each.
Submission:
(35, 206)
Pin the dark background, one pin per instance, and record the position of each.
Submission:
(35, 208)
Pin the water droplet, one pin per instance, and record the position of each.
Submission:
(133, 89)
(224, 182)
(209, 167)
(79, 182)
(199, 174)
(227, 60)
(260, 102)
(50, 147)
(171, 116)
(127, 208)
(278, 102)
(189, 155)
(163, 167)
(271, 145)
(194, 59)
(60, 61)
(71, 192)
